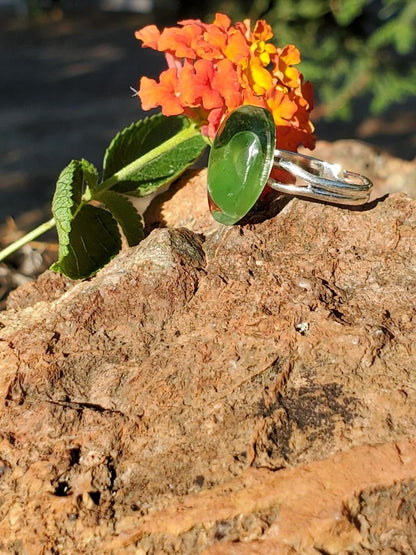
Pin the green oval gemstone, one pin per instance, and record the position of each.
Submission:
(240, 162)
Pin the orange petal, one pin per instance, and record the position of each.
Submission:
(149, 35)
(211, 44)
(282, 107)
(203, 86)
(249, 97)
(222, 21)
(237, 47)
(287, 108)
(262, 30)
(204, 70)
(171, 106)
(188, 86)
(245, 29)
(179, 40)
(169, 79)
(290, 54)
(227, 83)
(148, 93)
(288, 75)
(162, 94)
(211, 99)
(214, 119)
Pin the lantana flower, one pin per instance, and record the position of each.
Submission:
(215, 68)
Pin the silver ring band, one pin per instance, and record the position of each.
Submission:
(320, 180)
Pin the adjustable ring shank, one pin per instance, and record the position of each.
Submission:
(320, 180)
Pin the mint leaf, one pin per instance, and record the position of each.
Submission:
(90, 173)
(66, 200)
(125, 214)
(88, 236)
(164, 169)
(142, 158)
(93, 240)
(140, 139)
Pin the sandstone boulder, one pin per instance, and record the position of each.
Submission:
(246, 389)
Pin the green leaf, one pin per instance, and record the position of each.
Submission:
(164, 169)
(184, 144)
(66, 200)
(90, 173)
(139, 138)
(88, 236)
(93, 240)
(125, 214)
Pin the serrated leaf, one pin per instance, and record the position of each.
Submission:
(137, 139)
(93, 241)
(66, 199)
(90, 173)
(68, 196)
(126, 215)
(147, 136)
(164, 169)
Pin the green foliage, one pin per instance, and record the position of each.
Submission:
(88, 235)
(142, 158)
(125, 214)
(67, 198)
(93, 240)
(141, 138)
(351, 49)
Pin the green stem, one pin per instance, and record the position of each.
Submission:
(34, 234)
(133, 167)
(121, 175)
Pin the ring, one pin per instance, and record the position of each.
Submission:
(243, 156)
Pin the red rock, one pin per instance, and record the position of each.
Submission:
(222, 390)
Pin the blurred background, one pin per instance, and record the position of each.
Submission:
(67, 67)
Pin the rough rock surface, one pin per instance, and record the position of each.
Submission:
(219, 390)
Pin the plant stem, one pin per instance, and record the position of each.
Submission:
(43, 228)
(122, 174)
(127, 171)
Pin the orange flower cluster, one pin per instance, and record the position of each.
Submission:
(214, 68)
